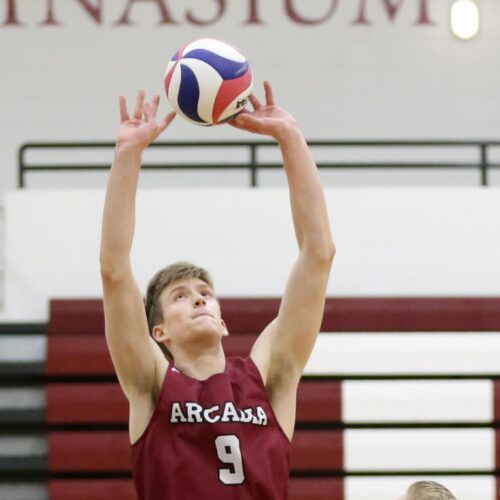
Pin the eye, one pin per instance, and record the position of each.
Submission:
(180, 296)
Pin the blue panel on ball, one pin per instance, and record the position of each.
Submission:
(175, 56)
(189, 94)
(226, 68)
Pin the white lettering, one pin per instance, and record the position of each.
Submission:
(207, 415)
(177, 415)
(246, 415)
(230, 414)
(194, 412)
(262, 416)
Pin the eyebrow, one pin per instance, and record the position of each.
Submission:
(176, 289)
(184, 287)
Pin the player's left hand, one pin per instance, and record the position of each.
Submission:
(266, 119)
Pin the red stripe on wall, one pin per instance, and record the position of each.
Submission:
(341, 314)
(104, 452)
(82, 354)
(496, 400)
(78, 354)
(317, 450)
(497, 449)
(105, 403)
(123, 489)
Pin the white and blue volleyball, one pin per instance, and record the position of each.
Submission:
(208, 81)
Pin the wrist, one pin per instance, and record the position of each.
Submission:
(290, 133)
(129, 149)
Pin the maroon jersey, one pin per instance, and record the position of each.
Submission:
(216, 439)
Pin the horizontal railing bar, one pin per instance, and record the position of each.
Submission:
(107, 166)
(208, 166)
(209, 143)
(254, 166)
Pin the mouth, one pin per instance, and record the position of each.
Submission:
(201, 315)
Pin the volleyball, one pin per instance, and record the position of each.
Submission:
(208, 81)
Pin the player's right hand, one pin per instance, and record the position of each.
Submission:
(141, 129)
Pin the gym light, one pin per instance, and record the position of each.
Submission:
(464, 19)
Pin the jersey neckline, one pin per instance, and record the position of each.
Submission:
(174, 369)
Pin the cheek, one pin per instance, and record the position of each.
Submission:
(175, 313)
(215, 307)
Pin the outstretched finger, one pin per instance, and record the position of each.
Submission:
(269, 93)
(123, 109)
(139, 104)
(255, 101)
(166, 122)
(148, 115)
(154, 104)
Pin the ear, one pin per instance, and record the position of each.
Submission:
(225, 332)
(159, 333)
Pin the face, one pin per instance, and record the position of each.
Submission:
(191, 314)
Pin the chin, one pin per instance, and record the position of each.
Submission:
(207, 331)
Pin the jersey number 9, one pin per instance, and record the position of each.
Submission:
(228, 451)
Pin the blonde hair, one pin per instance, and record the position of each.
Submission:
(164, 277)
(429, 490)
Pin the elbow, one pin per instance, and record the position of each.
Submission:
(331, 251)
(108, 274)
(328, 256)
(106, 268)
(112, 271)
(322, 254)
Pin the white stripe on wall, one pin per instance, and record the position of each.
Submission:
(417, 401)
(22, 398)
(25, 348)
(405, 353)
(392, 488)
(23, 446)
(23, 491)
(419, 449)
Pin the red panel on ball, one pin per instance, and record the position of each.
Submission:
(228, 91)
(169, 76)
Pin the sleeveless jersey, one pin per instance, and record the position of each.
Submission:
(216, 439)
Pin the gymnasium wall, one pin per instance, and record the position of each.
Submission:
(346, 68)
(391, 242)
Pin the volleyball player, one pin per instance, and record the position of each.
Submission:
(203, 426)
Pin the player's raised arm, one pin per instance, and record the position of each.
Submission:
(282, 350)
(132, 350)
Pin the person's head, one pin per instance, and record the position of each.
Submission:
(428, 490)
(182, 310)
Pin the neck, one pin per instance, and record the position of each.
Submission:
(201, 365)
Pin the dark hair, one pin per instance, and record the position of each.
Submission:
(164, 277)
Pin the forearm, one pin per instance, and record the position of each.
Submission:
(309, 211)
(119, 209)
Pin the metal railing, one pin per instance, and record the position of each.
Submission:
(483, 164)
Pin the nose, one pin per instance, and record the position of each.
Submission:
(199, 300)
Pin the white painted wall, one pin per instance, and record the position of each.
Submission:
(418, 242)
(387, 80)
(391, 79)
(384, 488)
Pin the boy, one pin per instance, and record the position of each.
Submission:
(203, 426)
